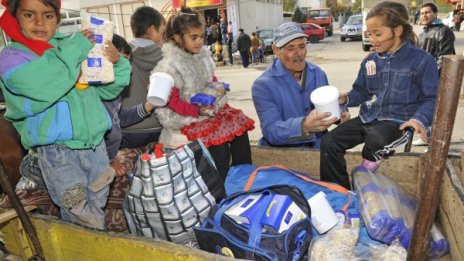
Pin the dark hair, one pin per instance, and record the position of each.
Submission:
(394, 14)
(179, 23)
(13, 5)
(121, 44)
(432, 6)
(143, 18)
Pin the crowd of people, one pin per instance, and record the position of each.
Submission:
(73, 135)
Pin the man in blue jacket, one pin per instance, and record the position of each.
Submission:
(281, 95)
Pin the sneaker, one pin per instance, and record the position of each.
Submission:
(371, 165)
(419, 142)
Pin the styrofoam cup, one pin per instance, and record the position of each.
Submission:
(160, 87)
(325, 99)
(323, 216)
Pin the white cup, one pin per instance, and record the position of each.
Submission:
(325, 99)
(160, 87)
(323, 216)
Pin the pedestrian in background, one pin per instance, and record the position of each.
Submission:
(230, 41)
(254, 48)
(243, 46)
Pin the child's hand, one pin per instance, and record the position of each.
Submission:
(342, 98)
(88, 34)
(417, 128)
(205, 111)
(111, 52)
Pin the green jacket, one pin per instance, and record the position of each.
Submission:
(42, 101)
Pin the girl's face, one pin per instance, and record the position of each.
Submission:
(37, 20)
(192, 40)
(383, 38)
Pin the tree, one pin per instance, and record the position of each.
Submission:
(298, 16)
(289, 5)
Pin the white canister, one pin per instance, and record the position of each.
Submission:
(325, 99)
(323, 217)
(160, 88)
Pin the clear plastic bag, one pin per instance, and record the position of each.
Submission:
(337, 244)
(97, 69)
(388, 212)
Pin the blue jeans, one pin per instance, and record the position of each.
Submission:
(68, 174)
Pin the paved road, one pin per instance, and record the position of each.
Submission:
(341, 63)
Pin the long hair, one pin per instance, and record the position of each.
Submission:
(393, 15)
(182, 21)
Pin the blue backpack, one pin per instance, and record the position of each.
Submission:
(219, 233)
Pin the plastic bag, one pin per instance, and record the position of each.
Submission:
(388, 211)
(337, 244)
(211, 94)
(97, 69)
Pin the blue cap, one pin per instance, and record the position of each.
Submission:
(287, 32)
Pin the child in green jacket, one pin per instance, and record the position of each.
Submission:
(65, 125)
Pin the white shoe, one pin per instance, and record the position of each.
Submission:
(419, 142)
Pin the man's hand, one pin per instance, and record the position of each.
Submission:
(315, 122)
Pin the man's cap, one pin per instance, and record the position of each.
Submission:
(287, 32)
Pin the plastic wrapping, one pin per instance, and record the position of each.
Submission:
(388, 211)
(97, 69)
(337, 244)
(340, 244)
(211, 94)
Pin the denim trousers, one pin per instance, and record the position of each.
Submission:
(67, 174)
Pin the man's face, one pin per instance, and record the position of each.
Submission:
(293, 54)
(427, 16)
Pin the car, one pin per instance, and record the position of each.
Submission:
(314, 33)
(266, 38)
(449, 20)
(352, 29)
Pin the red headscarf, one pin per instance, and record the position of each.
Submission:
(10, 26)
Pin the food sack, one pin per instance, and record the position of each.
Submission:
(97, 69)
(388, 211)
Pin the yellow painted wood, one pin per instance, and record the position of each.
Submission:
(64, 241)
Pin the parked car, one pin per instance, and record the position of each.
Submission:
(314, 33)
(449, 20)
(266, 37)
(352, 29)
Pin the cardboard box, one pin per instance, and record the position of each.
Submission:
(281, 214)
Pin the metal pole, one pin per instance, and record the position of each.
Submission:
(442, 128)
(23, 217)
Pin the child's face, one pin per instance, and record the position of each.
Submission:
(383, 38)
(192, 40)
(37, 20)
(157, 36)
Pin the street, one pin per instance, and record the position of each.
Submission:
(340, 61)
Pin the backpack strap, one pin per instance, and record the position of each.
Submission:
(331, 186)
